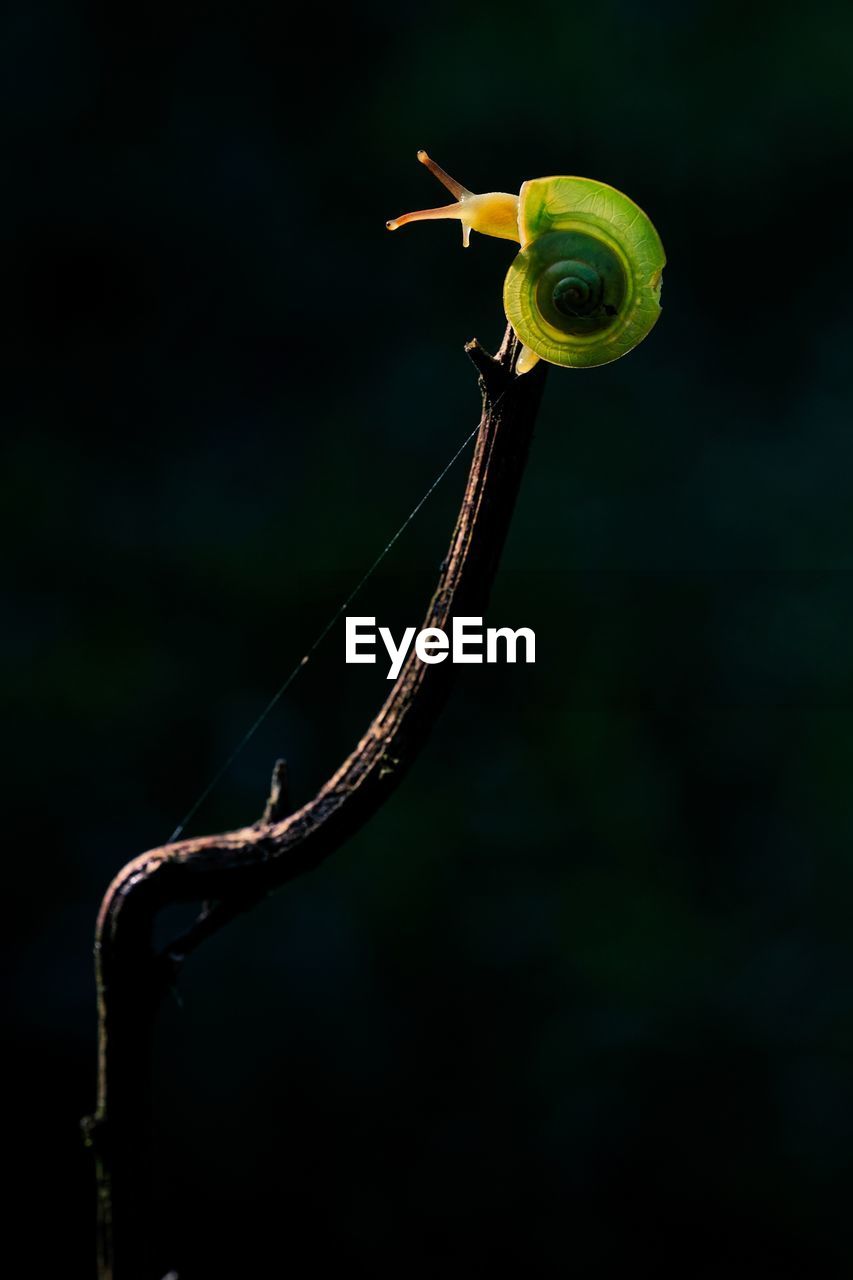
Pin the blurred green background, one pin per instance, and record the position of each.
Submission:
(579, 998)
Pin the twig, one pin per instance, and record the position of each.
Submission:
(230, 872)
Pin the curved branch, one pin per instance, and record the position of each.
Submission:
(232, 871)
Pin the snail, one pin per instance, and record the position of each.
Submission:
(585, 288)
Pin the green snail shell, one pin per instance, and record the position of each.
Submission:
(585, 288)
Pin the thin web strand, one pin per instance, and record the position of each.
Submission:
(304, 660)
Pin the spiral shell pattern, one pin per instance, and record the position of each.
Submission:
(585, 288)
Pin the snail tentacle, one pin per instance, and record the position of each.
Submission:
(492, 214)
(456, 188)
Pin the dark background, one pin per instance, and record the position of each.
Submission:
(581, 996)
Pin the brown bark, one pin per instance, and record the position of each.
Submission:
(230, 872)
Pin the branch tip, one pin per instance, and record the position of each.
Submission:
(486, 365)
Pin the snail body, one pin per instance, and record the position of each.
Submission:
(585, 287)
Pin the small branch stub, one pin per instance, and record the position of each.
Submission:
(278, 804)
